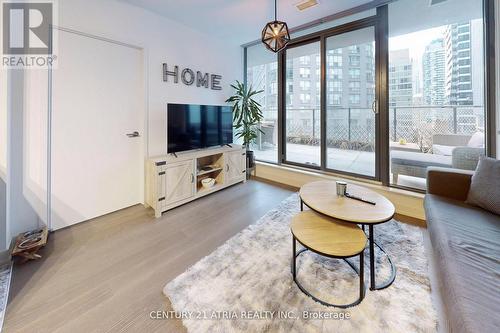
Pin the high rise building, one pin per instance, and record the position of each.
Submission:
(464, 77)
(400, 92)
(400, 78)
(265, 77)
(457, 38)
(350, 92)
(350, 87)
(433, 68)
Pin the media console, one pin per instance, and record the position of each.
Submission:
(175, 180)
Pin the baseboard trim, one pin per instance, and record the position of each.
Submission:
(273, 182)
(410, 220)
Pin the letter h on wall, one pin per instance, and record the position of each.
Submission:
(166, 73)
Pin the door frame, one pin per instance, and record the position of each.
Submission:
(144, 111)
(379, 22)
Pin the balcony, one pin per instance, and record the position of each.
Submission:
(351, 136)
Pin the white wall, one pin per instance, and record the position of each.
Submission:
(34, 138)
(3, 124)
(3, 215)
(3, 159)
(20, 213)
(163, 40)
(497, 64)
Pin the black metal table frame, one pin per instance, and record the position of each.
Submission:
(372, 244)
(360, 272)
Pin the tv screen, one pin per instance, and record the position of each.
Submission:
(198, 126)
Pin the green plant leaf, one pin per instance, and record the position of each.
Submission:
(247, 113)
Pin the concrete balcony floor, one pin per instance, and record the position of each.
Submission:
(352, 161)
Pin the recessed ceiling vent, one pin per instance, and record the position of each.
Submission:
(437, 2)
(305, 4)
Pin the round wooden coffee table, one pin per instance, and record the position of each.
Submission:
(322, 197)
(330, 238)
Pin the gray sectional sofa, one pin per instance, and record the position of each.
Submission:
(466, 249)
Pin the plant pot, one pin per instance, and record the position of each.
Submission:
(250, 159)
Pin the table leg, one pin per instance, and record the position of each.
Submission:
(362, 275)
(372, 258)
(301, 205)
(294, 258)
(359, 272)
(390, 280)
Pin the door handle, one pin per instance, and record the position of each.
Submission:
(375, 106)
(192, 178)
(227, 167)
(133, 134)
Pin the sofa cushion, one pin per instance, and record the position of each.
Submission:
(443, 150)
(485, 185)
(466, 247)
(420, 159)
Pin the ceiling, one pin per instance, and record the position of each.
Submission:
(240, 21)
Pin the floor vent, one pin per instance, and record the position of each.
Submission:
(303, 5)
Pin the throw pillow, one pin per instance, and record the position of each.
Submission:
(476, 141)
(485, 185)
(443, 150)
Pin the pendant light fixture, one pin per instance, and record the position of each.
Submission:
(275, 35)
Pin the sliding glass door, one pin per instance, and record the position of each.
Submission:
(350, 102)
(329, 101)
(385, 96)
(302, 104)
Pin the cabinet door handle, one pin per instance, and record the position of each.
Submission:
(227, 167)
(192, 178)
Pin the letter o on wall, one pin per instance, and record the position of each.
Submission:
(186, 72)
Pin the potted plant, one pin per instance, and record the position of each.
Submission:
(247, 115)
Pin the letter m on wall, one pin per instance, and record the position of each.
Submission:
(202, 79)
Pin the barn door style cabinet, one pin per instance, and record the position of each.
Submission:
(172, 181)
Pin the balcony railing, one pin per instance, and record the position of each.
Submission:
(349, 128)
(418, 124)
(354, 128)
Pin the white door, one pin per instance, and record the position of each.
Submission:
(97, 100)
(180, 181)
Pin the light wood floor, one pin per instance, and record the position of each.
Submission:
(107, 274)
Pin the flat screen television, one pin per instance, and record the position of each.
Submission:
(198, 126)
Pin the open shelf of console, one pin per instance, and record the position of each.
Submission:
(207, 172)
(209, 166)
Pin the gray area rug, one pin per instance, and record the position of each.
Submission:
(5, 275)
(246, 285)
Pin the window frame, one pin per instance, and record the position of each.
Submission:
(381, 22)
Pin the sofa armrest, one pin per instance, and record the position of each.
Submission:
(466, 158)
(449, 183)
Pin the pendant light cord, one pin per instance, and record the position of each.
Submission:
(275, 10)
